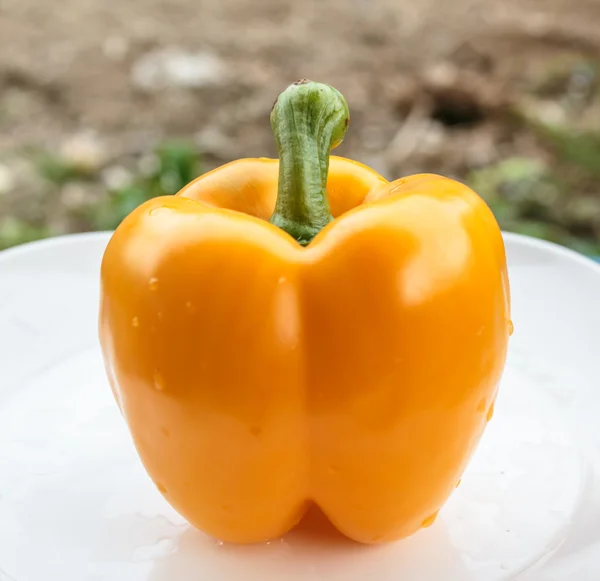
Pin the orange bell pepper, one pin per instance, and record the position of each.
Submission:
(281, 333)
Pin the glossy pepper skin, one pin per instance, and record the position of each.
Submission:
(356, 370)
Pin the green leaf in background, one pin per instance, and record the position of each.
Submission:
(14, 231)
(178, 163)
(581, 149)
(57, 170)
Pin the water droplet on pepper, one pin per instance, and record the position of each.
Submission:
(159, 382)
(429, 520)
(160, 210)
(490, 413)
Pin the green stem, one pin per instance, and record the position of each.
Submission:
(308, 120)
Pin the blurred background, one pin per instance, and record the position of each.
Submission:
(105, 103)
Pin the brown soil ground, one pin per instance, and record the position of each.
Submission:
(429, 82)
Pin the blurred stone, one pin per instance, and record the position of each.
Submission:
(148, 164)
(378, 163)
(373, 138)
(538, 23)
(584, 211)
(115, 48)
(212, 140)
(20, 104)
(432, 142)
(62, 54)
(470, 56)
(174, 67)
(409, 135)
(116, 177)
(25, 177)
(441, 75)
(58, 223)
(74, 196)
(404, 92)
(481, 150)
(7, 179)
(84, 151)
(550, 113)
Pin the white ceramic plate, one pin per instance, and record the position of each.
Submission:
(76, 504)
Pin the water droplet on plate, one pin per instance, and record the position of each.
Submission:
(153, 283)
